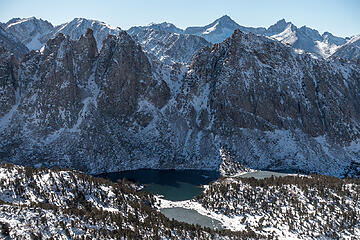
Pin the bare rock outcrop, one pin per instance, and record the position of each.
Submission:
(271, 108)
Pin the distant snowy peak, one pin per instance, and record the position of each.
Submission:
(79, 26)
(166, 27)
(279, 27)
(354, 40)
(29, 31)
(331, 39)
(287, 35)
(350, 50)
(34, 32)
(169, 47)
(305, 39)
(220, 29)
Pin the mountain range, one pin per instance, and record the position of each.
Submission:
(34, 33)
(73, 105)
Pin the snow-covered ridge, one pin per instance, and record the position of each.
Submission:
(303, 39)
(35, 32)
(350, 50)
(78, 27)
(168, 47)
(164, 27)
(30, 31)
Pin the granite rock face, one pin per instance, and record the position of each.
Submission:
(272, 107)
(76, 103)
(9, 81)
(117, 109)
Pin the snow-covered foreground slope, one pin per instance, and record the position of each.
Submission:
(292, 207)
(63, 204)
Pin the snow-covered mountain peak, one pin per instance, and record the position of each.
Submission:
(30, 20)
(80, 22)
(279, 27)
(166, 27)
(216, 31)
(355, 39)
(331, 39)
(288, 35)
(226, 21)
(168, 47)
(29, 30)
(305, 39)
(311, 33)
(79, 26)
(350, 50)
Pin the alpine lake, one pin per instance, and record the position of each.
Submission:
(180, 185)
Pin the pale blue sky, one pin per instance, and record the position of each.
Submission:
(340, 17)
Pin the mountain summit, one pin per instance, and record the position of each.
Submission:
(29, 31)
(220, 29)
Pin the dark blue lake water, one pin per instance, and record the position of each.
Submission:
(179, 185)
(174, 185)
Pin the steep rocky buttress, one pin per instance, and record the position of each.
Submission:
(253, 97)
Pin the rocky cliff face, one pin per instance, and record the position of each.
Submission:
(272, 107)
(12, 44)
(79, 104)
(9, 83)
(250, 96)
